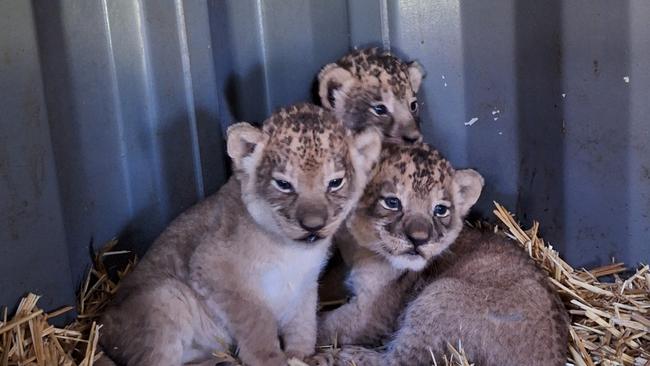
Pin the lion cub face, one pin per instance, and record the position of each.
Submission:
(303, 171)
(413, 208)
(370, 87)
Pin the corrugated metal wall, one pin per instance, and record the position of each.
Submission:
(113, 112)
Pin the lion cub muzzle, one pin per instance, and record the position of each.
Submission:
(312, 217)
(412, 135)
(404, 126)
(413, 138)
(418, 230)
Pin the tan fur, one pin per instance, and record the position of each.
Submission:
(368, 77)
(240, 268)
(481, 290)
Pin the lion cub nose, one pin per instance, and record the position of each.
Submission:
(411, 134)
(418, 231)
(412, 138)
(312, 218)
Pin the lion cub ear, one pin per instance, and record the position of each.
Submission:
(365, 151)
(245, 143)
(416, 74)
(467, 186)
(330, 81)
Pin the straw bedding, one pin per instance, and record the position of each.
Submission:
(610, 319)
(28, 339)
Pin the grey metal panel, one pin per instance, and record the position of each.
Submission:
(114, 112)
(638, 237)
(87, 144)
(369, 31)
(33, 253)
(606, 150)
(276, 47)
(539, 123)
(241, 43)
(208, 100)
(131, 96)
(299, 38)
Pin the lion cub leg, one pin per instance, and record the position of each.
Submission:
(163, 325)
(426, 327)
(299, 334)
(250, 321)
(370, 315)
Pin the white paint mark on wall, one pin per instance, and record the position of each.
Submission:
(496, 113)
(471, 121)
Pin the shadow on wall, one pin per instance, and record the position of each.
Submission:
(239, 73)
(540, 116)
(66, 140)
(179, 185)
(245, 96)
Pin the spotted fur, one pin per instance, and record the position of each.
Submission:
(370, 77)
(306, 145)
(420, 178)
(452, 285)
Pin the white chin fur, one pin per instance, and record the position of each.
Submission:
(413, 263)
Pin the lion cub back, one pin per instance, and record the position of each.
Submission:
(487, 291)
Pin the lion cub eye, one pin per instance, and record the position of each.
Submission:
(379, 109)
(335, 184)
(391, 203)
(414, 106)
(282, 186)
(441, 211)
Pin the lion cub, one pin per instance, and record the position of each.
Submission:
(371, 87)
(418, 284)
(241, 267)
